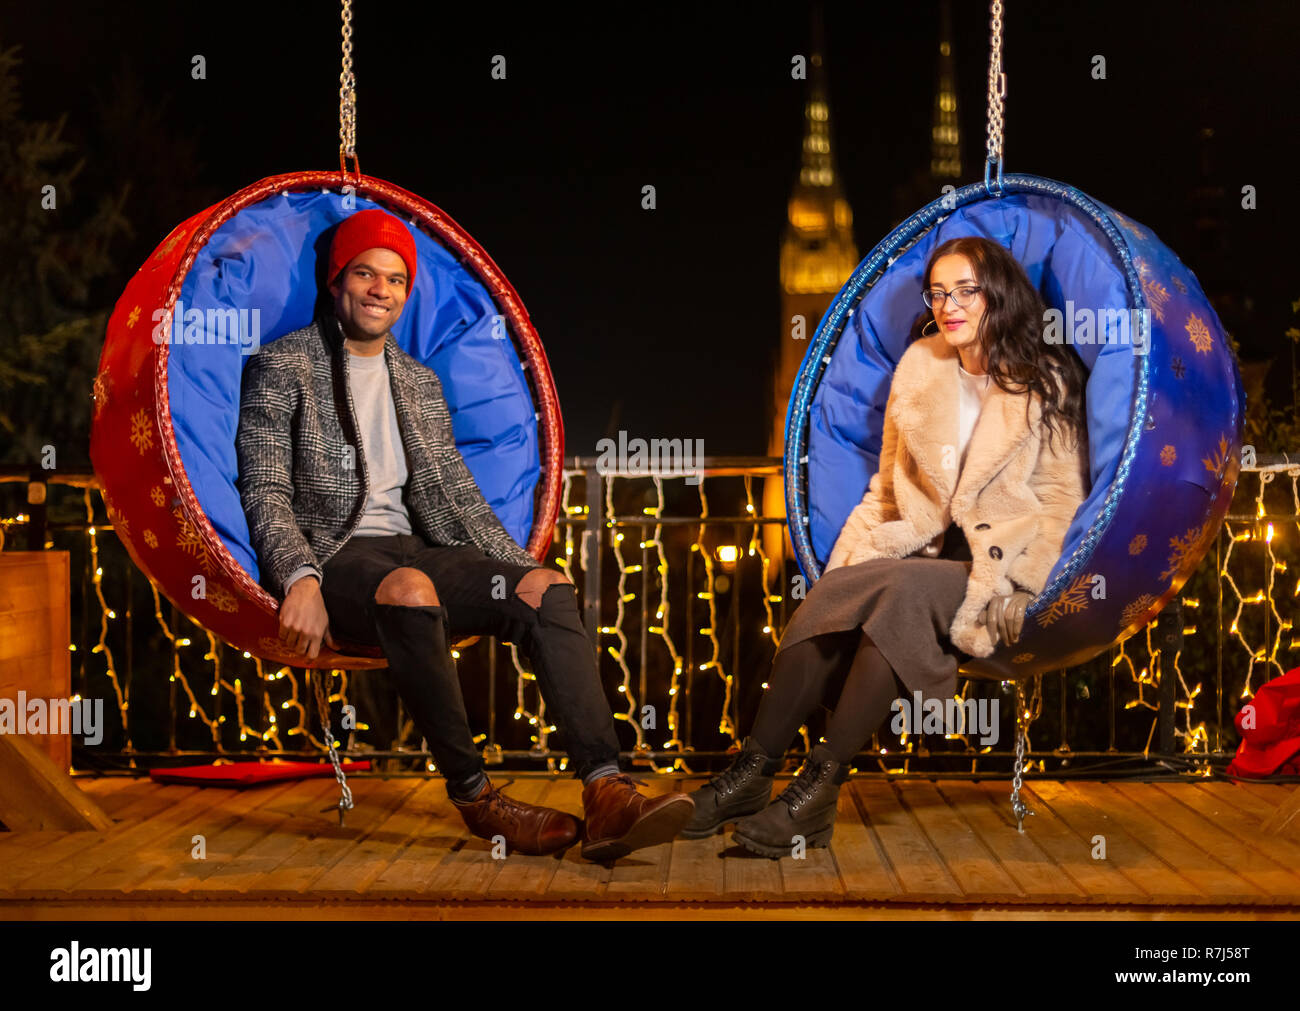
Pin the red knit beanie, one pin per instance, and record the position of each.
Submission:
(370, 230)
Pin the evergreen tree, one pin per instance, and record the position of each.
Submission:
(53, 244)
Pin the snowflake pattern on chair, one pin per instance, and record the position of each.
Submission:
(274, 649)
(1199, 334)
(99, 392)
(1157, 297)
(141, 431)
(221, 598)
(1137, 609)
(1214, 464)
(1072, 601)
(189, 541)
(1186, 551)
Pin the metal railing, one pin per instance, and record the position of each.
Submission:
(684, 591)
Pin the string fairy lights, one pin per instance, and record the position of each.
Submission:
(622, 597)
(756, 547)
(106, 614)
(709, 595)
(1258, 594)
(662, 616)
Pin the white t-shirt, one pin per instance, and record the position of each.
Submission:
(381, 441)
(973, 390)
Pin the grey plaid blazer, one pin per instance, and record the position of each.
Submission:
(302, 475)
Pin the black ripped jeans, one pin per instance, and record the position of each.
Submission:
(476, 596)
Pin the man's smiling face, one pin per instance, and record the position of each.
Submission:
(369, 295)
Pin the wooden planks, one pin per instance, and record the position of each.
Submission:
(1064, 843)
(1035, 876)
(368, 859)
(575, 879)
(1211, 877)
(36, 794)
(1150, 878)
(643, 874)
(908, 844)
(967, 835)
(113, 793)
(922, 874)
(1249, 863)
(696, 869)
(275, 813)
(25, 855)
(166, 840)
(865, 870)
(48, 871)
(409, 873)
(328, 843)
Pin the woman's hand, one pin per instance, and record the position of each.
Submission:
(1004, 615)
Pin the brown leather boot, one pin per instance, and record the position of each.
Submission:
(620, 820)
(527, 828)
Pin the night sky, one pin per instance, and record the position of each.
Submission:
(663, 322)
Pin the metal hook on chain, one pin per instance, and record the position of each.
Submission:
(348, 103)
(1018, 806)
(322, 706)
(997, 103)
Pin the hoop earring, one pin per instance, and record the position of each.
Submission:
(925, 328)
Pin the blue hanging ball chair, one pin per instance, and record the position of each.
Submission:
(1164, 414)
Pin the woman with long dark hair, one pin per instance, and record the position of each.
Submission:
(983, 464)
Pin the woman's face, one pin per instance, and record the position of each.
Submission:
(958, 324)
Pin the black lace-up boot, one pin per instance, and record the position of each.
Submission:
(804, 808)
(744, 788)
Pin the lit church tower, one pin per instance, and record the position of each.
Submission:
(945, 138)
(945, 168)
(818, 253)
(817, 256)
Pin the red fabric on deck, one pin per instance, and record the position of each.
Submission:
(242, 774)
(1270, 742)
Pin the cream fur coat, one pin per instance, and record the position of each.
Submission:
(1014, 498)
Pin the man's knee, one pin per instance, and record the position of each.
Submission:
(407, 588)
(532, 588)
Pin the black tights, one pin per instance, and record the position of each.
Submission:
(798, 683)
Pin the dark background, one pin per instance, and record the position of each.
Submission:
(663, 322)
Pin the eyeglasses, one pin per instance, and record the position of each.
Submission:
(962, 297)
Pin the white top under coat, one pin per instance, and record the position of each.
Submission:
(385, 512)
(973, 390)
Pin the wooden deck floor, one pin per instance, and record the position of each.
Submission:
(901, 849)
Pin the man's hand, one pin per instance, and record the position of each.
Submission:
(1004, 616)
(303, 621)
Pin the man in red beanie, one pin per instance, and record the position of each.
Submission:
(369, 526)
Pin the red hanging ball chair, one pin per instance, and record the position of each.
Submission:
(242, 273)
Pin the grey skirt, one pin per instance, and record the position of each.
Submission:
(906, 605)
